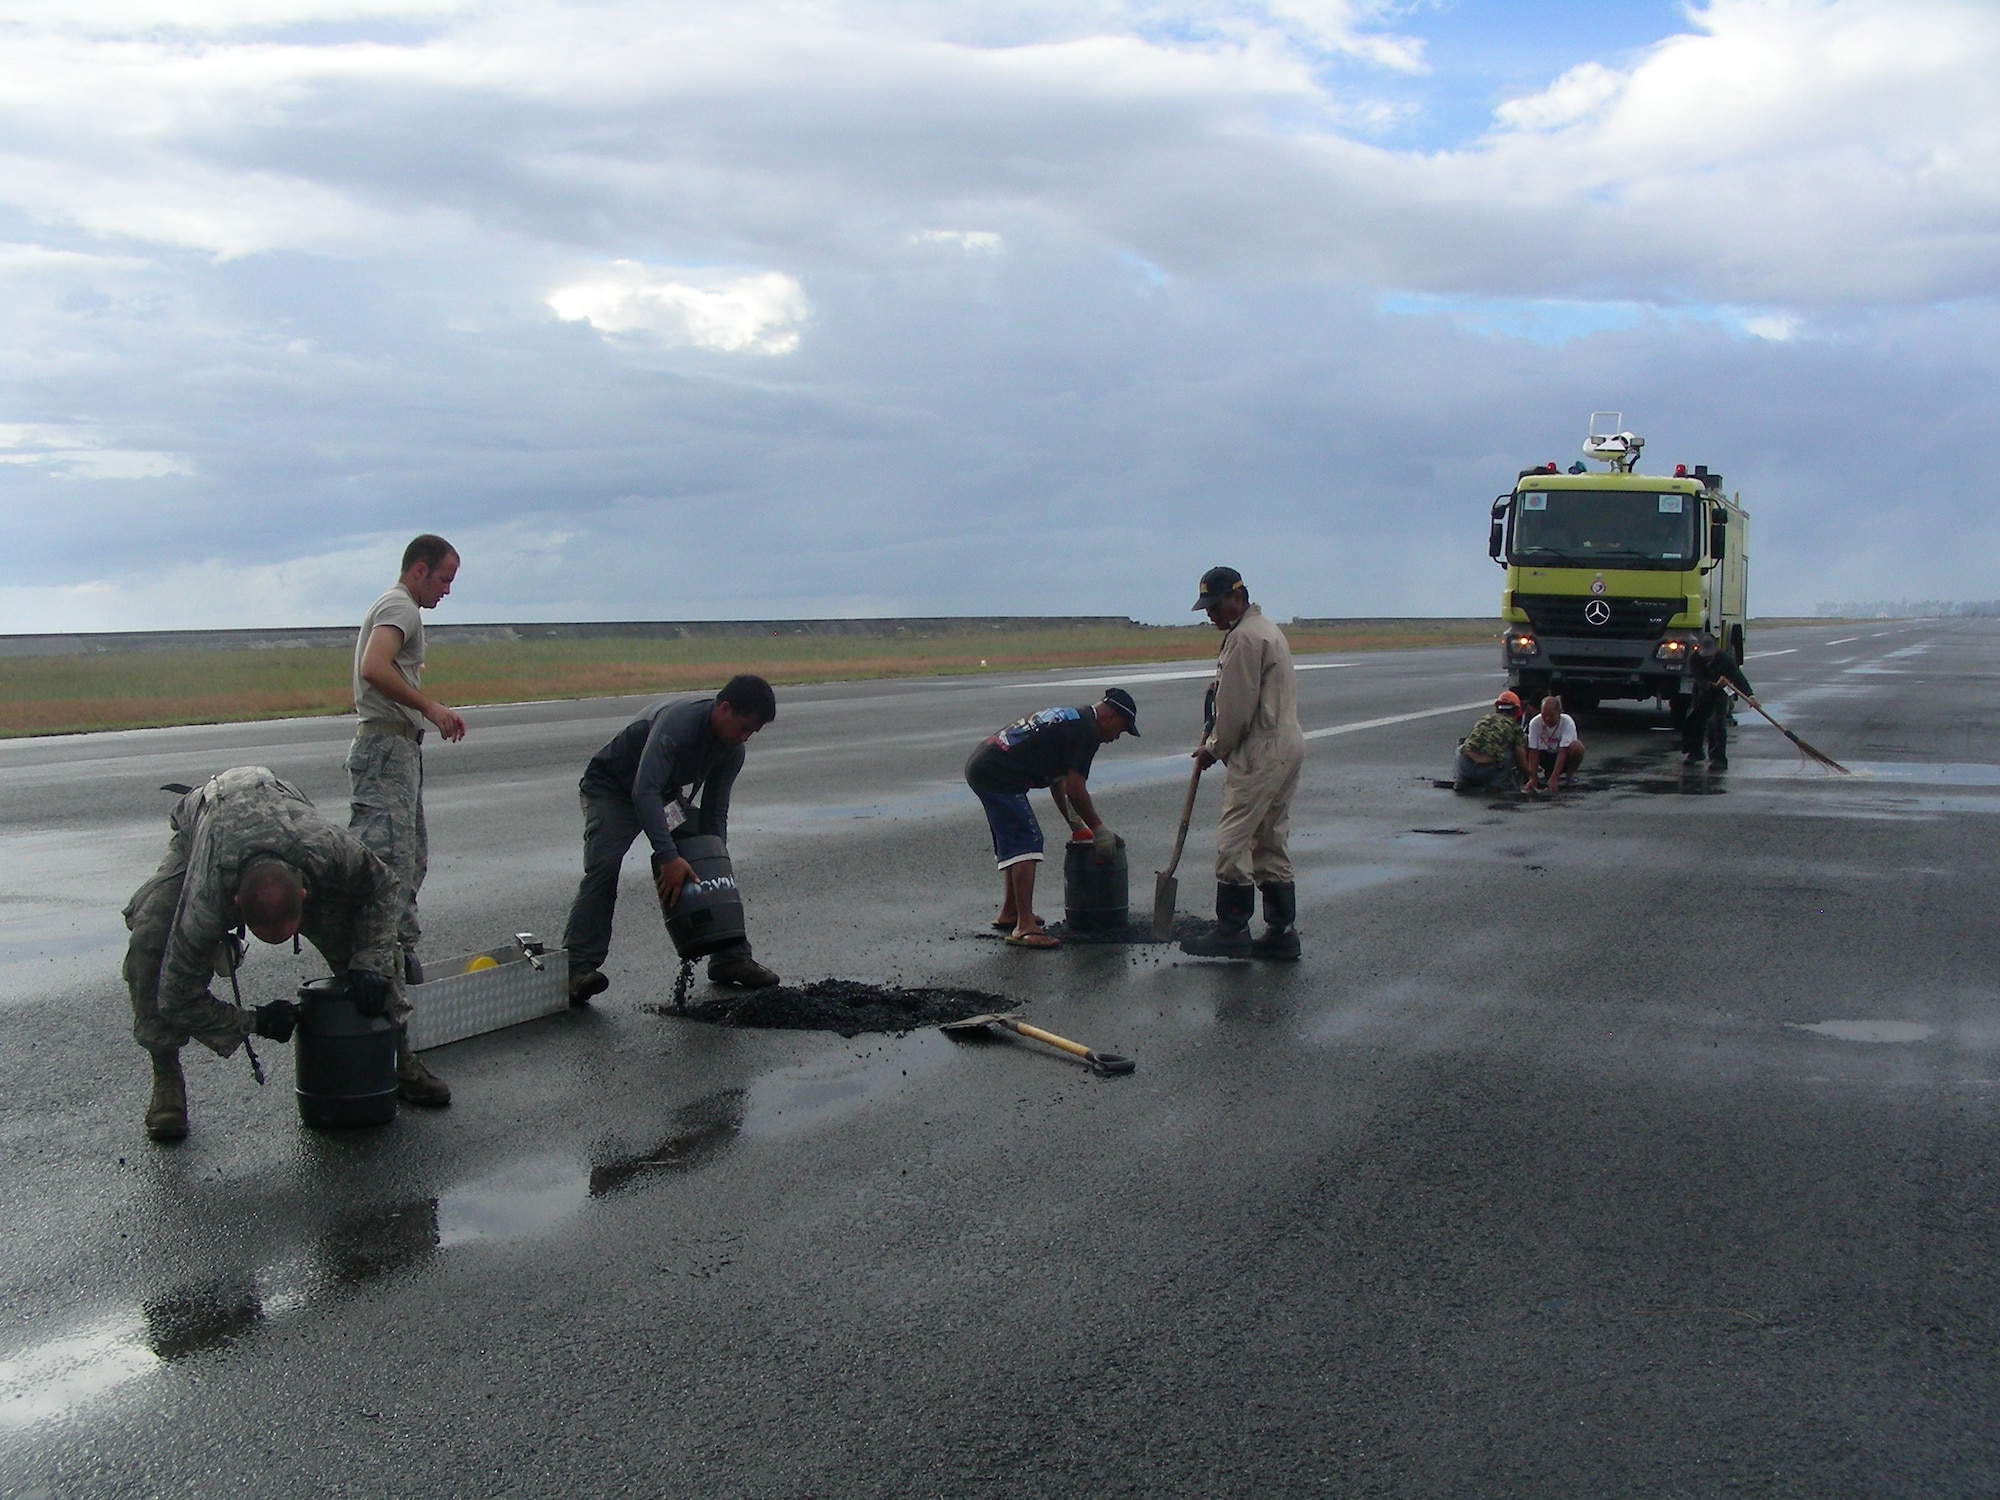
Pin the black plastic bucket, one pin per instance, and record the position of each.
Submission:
(708, 917)
(1096, 898)
(345, 1061)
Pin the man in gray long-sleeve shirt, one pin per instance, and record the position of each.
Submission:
(646, 781)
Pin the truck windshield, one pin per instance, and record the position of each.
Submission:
(1605, 528)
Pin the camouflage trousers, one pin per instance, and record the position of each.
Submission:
(150, 916)
(385, 777)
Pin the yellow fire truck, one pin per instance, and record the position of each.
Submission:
(1612, 575)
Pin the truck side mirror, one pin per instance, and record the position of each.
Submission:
(1718, 531)
(1496, 537)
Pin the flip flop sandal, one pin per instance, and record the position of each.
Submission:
(1036, 939)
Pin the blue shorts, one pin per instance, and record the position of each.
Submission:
(1017, 832)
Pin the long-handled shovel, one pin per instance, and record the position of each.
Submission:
(1166, 889)
(1804, 749)
(1104, 1064)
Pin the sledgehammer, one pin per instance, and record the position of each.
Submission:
(1104, 1064)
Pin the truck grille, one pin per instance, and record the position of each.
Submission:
(1629, 619)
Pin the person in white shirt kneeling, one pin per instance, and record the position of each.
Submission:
(1553, 743)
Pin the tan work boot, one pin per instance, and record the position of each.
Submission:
(415, 1083)
(167, 1112)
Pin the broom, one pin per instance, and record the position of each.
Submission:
(1804, 749)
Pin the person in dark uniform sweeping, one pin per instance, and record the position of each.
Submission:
(1707, 722)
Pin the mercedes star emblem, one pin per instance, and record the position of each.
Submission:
(1597, 612)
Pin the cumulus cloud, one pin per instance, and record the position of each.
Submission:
(757, 314)
(76, 453)
(291, 262)
(972, 241)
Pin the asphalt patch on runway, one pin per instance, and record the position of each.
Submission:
(844, 1006)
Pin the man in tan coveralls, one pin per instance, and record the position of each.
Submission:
(1253, 729)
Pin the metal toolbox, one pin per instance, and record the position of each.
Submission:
(480, 992)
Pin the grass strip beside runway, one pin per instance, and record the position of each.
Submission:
(149, 689)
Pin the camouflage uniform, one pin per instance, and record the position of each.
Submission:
(386, 774)
(180, 917)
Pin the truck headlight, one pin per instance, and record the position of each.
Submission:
(1673, 652)
(1520, 643)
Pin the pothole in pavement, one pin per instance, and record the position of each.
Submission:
(845, 1006)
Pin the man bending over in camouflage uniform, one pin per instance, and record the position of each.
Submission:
(249, 851)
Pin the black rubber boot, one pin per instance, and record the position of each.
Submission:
(413, 971)
(584, 983)
(1280, 939)
(415, 1083)
(167, 1111)
(1235, 905)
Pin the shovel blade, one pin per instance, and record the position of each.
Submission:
(979, 1023)
(1166, 896)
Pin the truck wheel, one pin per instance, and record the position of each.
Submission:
(1677, 708)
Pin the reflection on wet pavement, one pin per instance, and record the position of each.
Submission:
(702, 1130)
(520, 1201)
(367, 1248)
(1867, 1031)
(203, 1315)
(49, 1380)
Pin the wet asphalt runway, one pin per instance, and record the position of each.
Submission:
(1643, 1143)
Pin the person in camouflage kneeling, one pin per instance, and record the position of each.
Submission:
(1496, 748)
(249, 852)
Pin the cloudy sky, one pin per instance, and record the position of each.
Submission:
(680, 310)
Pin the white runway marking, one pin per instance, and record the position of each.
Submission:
(1109, 679)
(1427, 713)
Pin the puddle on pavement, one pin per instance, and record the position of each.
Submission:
(1893, 1032)
(367, 1247)
(813, 1094)
(846, 1007)
(202, 1316)
(50, 1380)
(520, 1201)
(702, 1131)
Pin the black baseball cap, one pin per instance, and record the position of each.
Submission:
(1121, 700)
(1218, 584)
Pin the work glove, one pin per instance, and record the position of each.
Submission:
(1108, 844)
(275, 1020)
(372, 994)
